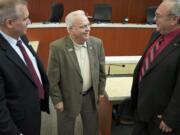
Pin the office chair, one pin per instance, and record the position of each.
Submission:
(102, 13)
(57, 10)
(122, 113)
(150, 13)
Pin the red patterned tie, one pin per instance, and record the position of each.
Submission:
(31, 70)
(149, 58)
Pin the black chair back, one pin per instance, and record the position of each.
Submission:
(102, 13)
(150, 14)
(57, 10)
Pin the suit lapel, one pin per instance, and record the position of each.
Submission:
(71, 52)
(153, 38)
(169, 49)
(91, 55)
(13, 56)
(39, 64)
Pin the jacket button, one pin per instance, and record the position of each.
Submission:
(81, 81)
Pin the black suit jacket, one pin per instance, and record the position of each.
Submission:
(159, 90)
(20, 108)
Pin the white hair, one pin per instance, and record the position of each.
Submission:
(8, 9)
(175, 9)
(69, 20)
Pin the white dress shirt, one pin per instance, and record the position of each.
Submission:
(83, 60)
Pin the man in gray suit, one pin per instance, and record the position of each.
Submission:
(77, 75)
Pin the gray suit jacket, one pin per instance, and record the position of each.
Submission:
(65, 77)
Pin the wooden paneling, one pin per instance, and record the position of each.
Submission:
(135, 10)
(117, 41)
(105, 116)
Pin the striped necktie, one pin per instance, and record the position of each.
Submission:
(150, 57)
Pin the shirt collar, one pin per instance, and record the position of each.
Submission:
(10, 39)
(172, 34)
(79, 46)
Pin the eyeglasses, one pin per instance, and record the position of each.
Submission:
(161, 16)
(85, 26)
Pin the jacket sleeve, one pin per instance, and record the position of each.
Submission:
(7, 126)
(171, 115)
(102, 74)
(54, 75)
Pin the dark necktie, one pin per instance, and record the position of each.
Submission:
(150, 57)
(31, 70)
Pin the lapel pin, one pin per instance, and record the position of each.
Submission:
(70, 50)
(176, 44)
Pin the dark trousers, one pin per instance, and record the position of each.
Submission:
(88, 114)
(151, 128)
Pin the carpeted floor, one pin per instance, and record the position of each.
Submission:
(49, 125)
(121, 129)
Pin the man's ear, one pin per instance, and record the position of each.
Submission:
(176, 20)
(69, 29)
(8, 23)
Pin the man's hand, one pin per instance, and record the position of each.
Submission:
(165, 128)
(59, 106)
(101, 96)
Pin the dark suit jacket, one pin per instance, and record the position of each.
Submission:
(159, 90)
(20, 108)
(65, 76)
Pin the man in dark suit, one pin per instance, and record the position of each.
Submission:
(23, 81)
(156, 86)
(77, 75)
